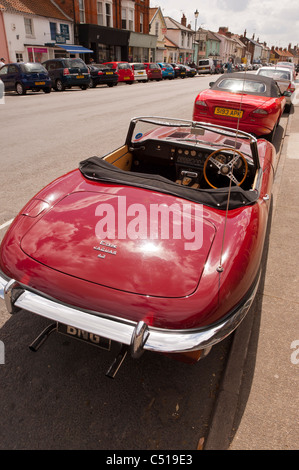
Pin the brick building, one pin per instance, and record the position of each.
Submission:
(113, 29)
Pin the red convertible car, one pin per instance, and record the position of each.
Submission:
(155, 246)
(251, 103)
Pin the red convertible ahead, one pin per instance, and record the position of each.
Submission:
(156, 246)
(251, 103)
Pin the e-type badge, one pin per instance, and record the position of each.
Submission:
(105, 248)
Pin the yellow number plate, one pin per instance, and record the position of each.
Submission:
(228, 112)
(80, 76)
(40, 83)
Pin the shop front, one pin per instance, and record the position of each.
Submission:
(142, 47)
(106, 44)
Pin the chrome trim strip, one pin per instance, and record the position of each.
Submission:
(122, 331)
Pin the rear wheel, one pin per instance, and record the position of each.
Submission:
(20, 89)
(110, 85)
(59, 86)
(270, 137)
(47, 90)
(92, 83)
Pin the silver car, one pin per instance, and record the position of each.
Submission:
(284, 79)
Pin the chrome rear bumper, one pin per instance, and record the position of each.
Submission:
(138, 336)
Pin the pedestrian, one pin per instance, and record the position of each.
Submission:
(229, 66)
(2, 62)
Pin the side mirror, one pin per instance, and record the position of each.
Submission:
(211, 84)
(287, 93)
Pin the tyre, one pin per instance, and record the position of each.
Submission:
(270, 137)
(20, 89)
(83, 87)
(110, 85)
(59, 86)
(92, 83)
(47, 90)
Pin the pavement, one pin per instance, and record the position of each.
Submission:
(257, 405)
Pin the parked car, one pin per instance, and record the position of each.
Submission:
(179, 70)
(23, 76)
(167, 70)
(284, 79)
(123, 279)
(67, 73)
(206, 66)
(140, 74)
(289, 65)
(250, 102)
(153, 71)
(124, 71)
(190, 71)
(102, 75)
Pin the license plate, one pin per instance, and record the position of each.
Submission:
(126, 78)
(80, 76)
(40, 83)
(90, 338)
(109, 73)
(139, 73)
(228, 112)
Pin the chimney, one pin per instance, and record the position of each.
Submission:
(184, 20)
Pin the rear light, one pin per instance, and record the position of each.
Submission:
(291, 88)
(100, 72)
(260, 111)
(200, 103)
(66, 72)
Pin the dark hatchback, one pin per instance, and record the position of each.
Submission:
(179, 70)
(102, 75)
(66, 73)
(21, 77)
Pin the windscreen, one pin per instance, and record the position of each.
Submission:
(34, 68)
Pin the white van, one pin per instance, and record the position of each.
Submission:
(206, 66)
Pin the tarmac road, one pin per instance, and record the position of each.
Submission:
(59, 397)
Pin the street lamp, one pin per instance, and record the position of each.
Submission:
(196, 13)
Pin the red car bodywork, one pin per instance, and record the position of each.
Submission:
(52, 248)
(260, 114)
(124, 71)
(153, 71)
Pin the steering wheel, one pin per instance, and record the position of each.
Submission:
(226, 168)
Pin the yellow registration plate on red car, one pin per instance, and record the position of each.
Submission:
(235, 113)
(40, 83)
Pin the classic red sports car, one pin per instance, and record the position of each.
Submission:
(244, 101)
(156, 246)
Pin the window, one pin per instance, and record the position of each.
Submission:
(82, 11)
(53, 31)
(19, 57)
(28, 26)
(127, 19)
(108, 14)
(141, 23)
(157, 28)
(123, 18)
(131, 20)
(100, 13)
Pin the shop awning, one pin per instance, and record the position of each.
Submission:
(74, 49)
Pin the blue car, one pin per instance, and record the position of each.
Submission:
(167, 70)
(21, 77)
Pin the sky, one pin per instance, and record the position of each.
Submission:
(275, 22)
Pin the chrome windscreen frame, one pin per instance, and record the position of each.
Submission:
(137, 335)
